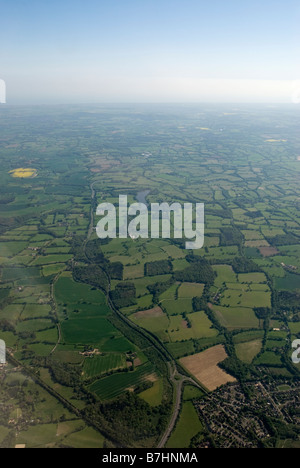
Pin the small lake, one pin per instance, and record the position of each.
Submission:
(141, 196)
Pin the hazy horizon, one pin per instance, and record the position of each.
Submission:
(150, 52)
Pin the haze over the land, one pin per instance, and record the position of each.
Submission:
(150, 51)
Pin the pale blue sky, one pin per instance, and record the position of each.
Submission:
(149, 50)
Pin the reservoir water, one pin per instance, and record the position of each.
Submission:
(141, 196)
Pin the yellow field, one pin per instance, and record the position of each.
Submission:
(204, 367)
(23, 173)
(274, 141)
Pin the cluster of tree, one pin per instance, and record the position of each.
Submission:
(265, 314)
(7, 326)
(145, 340)
(91, 274)
(199, 271)
(27, 335)
(63, 373)
(199, 303)
(9, 441)
(188, 322)
(244, 265)
(235, 367)
(143, 386)
(278, 428)
(214, 320)
(225, 213)
(5, 300)
(230, 236)
(93, 253)
(201, 437)
(262, 313)
(160, 267)
(123, 295)
(27, 354)
(46, 231)
(254, 214)
(13, 222)
(205, 343)
(283, 239)
(6, 199)
(115, 270)
(286, 300)
(129, 419)
(77, 248)
(158, 288)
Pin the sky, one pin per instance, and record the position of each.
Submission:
(101, 51)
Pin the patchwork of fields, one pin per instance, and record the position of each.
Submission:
(84, 314)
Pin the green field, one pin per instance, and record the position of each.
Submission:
(157, 325)
(247, 351)
(289, 282)
(192, 393)
(187, 427)
(110, 387)
(35, 311)
(68, 291)
(235, 318)
(179, 349)
(142, 283)
(153, 395)
(252, 278)
(98, 365)
(248, 336)
(177, 306)
(268, 358)
(87, 331)
(200, 327)
(251, 299)
(190, 290)
(86, 438)
(225, 274)
(242, 162)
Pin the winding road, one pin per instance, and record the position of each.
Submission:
(178, 380)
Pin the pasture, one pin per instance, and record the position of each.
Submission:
(199, 327)
(188, 426)
(153, 395)
(247, 351)
(69, 291)
(190, 290)
(235, 318)
(87, 330)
